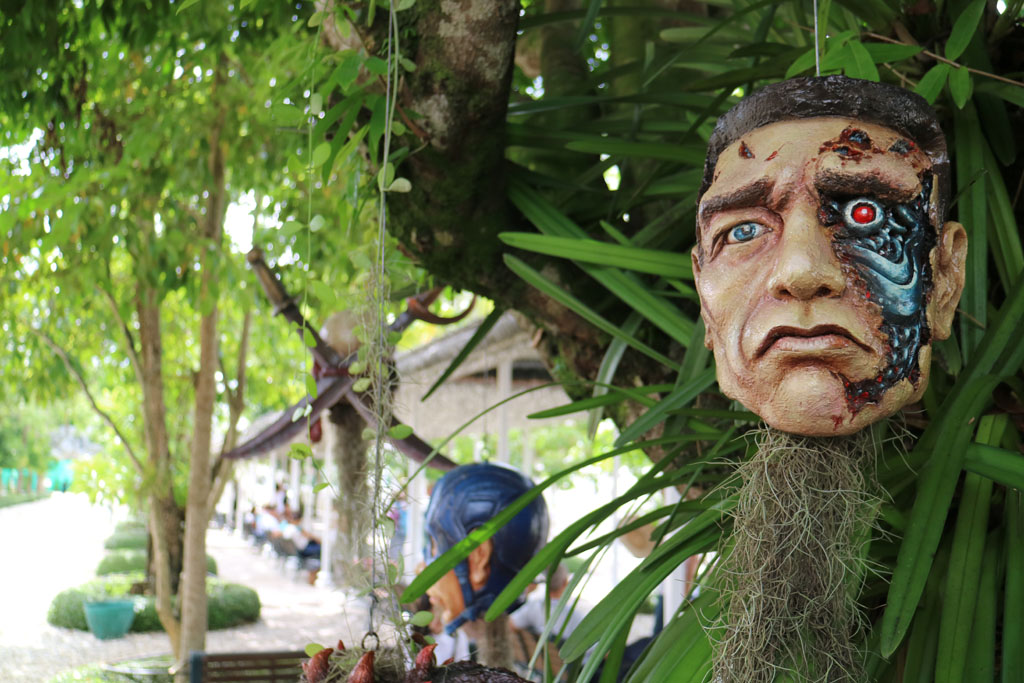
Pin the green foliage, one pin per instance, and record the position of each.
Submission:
(606, 175)
(124, 561)
(112, 673)
(97, 673)
(135, 525)
(22, 444)
(19, 498)
(130, 539)
(229, 604)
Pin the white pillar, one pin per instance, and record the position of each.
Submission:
(294, 481)
(275, 465)
(529, 455)
(417, 499)
(306, 492)
(239, 511)
(504, 391)
(325, 511)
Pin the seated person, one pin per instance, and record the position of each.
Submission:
(464, 499)
(307, 545)
(266, 522)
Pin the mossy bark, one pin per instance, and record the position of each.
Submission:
(348, 450)
(458, 205)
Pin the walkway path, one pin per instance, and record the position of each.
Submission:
(53, 544)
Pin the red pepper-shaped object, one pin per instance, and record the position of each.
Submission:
(363, 672)
(317, 667)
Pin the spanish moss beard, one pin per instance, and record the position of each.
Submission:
(797, 561)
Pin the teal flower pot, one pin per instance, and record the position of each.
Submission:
(110, 619)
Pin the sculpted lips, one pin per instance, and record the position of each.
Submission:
(817, 338)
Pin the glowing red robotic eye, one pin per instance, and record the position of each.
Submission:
(863, 214)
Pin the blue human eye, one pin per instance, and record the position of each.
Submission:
(744, 232)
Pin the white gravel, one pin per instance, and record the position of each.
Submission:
(53, 544)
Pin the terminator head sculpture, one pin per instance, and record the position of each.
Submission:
(464, 499)
(823, 263)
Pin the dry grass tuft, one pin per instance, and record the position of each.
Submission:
(804, 519)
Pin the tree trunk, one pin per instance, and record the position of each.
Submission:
(495, 643)
(348, 450)
(193, 592)
(165, 516)
(165, 528)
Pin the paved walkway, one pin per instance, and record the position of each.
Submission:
(53, 544)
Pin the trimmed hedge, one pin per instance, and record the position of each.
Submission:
(229, 604)
(130, 525)
(142, 668)
(121, 561)
(128, 539)
(18, 498)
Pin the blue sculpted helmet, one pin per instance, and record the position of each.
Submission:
(463, 500)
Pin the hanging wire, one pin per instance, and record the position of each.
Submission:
(391, 88)
(817, 41)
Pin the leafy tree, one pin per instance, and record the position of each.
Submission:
(141, 126)
(24, 441)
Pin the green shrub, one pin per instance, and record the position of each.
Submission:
(120, 561)
(18, 498)
(130, 526)
(66, 609)
(129, 539)
(123, 671)
(229, 604)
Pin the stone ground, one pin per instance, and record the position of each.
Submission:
(53, 544)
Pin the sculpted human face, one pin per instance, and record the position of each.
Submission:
(446, 597)
(821, 276)
(446, 594)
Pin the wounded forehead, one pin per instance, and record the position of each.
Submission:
(836, 96)
(827, 156)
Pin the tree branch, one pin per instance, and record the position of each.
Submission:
(940, 58)
(129, 339)
(63, 355)
(236, 398)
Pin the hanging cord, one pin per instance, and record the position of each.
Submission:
(380, 315)
(817, 41)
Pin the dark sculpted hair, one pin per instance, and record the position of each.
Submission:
(811, 97)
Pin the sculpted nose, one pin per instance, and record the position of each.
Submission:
(806, 267)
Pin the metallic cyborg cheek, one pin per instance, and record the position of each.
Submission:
(888, 247)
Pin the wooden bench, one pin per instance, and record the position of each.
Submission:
(284, 666)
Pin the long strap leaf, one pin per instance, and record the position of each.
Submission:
(1013, 592)
(626, 286)
(677, 399)
(602, 253)
(556, 547)
(478, 336)
(946, 442)
(998, 464)
(563, 297)
(936, 486)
